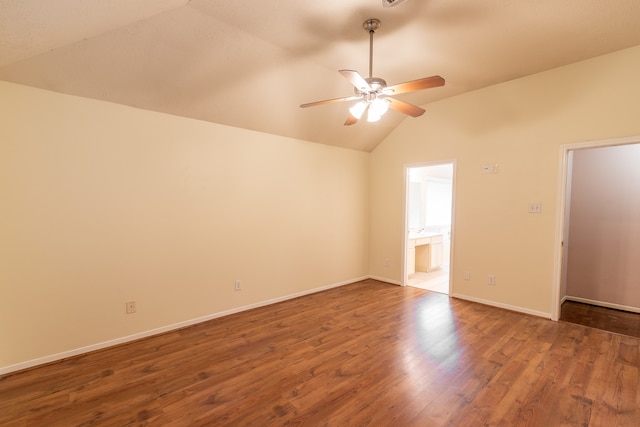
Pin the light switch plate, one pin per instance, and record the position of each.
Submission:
(490, 168)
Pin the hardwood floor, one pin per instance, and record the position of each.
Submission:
(608, 319)
(363, 354)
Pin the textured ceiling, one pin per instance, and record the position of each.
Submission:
(250, 64)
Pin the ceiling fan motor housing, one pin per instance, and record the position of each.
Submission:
(376, 84)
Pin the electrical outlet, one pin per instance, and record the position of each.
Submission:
(238, 285)
(535, 207)
(492, 279)
(130, 307)
(386, 262)
(467, 275)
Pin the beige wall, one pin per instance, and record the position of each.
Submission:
(520, 125)
(103, 203)
(604, 226)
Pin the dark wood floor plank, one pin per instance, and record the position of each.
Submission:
(364, 354)
(608, 319)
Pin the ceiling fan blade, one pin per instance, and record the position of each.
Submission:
(419, 84)
(329, 101)
(356, 80)
(350, 120)
(405, 107)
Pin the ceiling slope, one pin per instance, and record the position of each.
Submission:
(251, 64)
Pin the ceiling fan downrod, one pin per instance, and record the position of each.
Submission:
(371, 25)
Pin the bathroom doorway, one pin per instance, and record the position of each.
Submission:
(429, 214)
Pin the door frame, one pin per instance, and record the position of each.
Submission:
(562, 221)
(405, 228)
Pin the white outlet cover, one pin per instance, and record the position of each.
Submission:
(535, 207)
(130, 307)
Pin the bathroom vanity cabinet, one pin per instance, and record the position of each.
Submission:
(424, 253)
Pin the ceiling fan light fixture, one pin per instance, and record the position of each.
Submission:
(379, 106)
(372, 116)
(357, 109)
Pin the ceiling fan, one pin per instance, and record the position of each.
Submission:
(373, 94)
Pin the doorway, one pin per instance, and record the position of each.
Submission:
(597, 232)
(428, 226)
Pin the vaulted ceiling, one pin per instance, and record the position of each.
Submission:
(250, 64)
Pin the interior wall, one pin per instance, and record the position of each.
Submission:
(604, 226)
(519, 125)
(103, 204)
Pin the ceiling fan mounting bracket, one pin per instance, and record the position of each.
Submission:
(371, 25)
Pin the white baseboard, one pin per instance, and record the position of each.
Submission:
(505, 306)
(87, 349)
(384, 279)
(603, 304)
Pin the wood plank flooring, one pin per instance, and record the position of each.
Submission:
(608, 319)
(364, 354)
